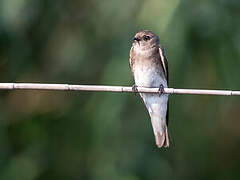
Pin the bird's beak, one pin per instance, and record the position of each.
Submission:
(137, 39)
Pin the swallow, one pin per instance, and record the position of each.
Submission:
(149, 67)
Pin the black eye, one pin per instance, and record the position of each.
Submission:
(146, 38)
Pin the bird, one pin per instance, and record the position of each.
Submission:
(149, 68)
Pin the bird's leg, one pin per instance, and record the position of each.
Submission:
(161, 90)
(134, 89)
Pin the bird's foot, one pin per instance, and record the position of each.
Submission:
(134, 89)
(161, 90)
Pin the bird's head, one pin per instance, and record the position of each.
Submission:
(145, 39)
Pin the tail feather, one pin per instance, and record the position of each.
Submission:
(162, 140)
(158, 111)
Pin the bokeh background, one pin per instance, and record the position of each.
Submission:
(96, 135)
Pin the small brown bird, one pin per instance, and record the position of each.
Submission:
(149, 66)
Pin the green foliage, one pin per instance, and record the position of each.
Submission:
(79, 135)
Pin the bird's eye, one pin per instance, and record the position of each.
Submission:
(146, 38)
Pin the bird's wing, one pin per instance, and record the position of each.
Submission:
(164, 63)
(131, 59)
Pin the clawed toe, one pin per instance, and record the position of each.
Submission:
(134, 89)
(161, 90)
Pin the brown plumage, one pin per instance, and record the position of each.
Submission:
(149, 67)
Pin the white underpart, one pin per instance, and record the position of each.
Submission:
(148, 76)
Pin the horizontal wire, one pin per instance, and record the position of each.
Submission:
(67, 87)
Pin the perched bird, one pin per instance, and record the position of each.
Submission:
(149, 67)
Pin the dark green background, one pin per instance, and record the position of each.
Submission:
(96, 135)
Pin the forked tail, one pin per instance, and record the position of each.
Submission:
(162, 140)
(160, 130)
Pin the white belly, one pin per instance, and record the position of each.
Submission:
(148, 77)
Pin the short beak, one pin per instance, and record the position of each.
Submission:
(137, 39)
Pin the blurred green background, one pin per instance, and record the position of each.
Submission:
(81, 135)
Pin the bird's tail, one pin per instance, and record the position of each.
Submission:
(162, 140)
(161, 133)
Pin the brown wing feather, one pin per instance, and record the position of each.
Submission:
(131, 59)
(164, 63)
